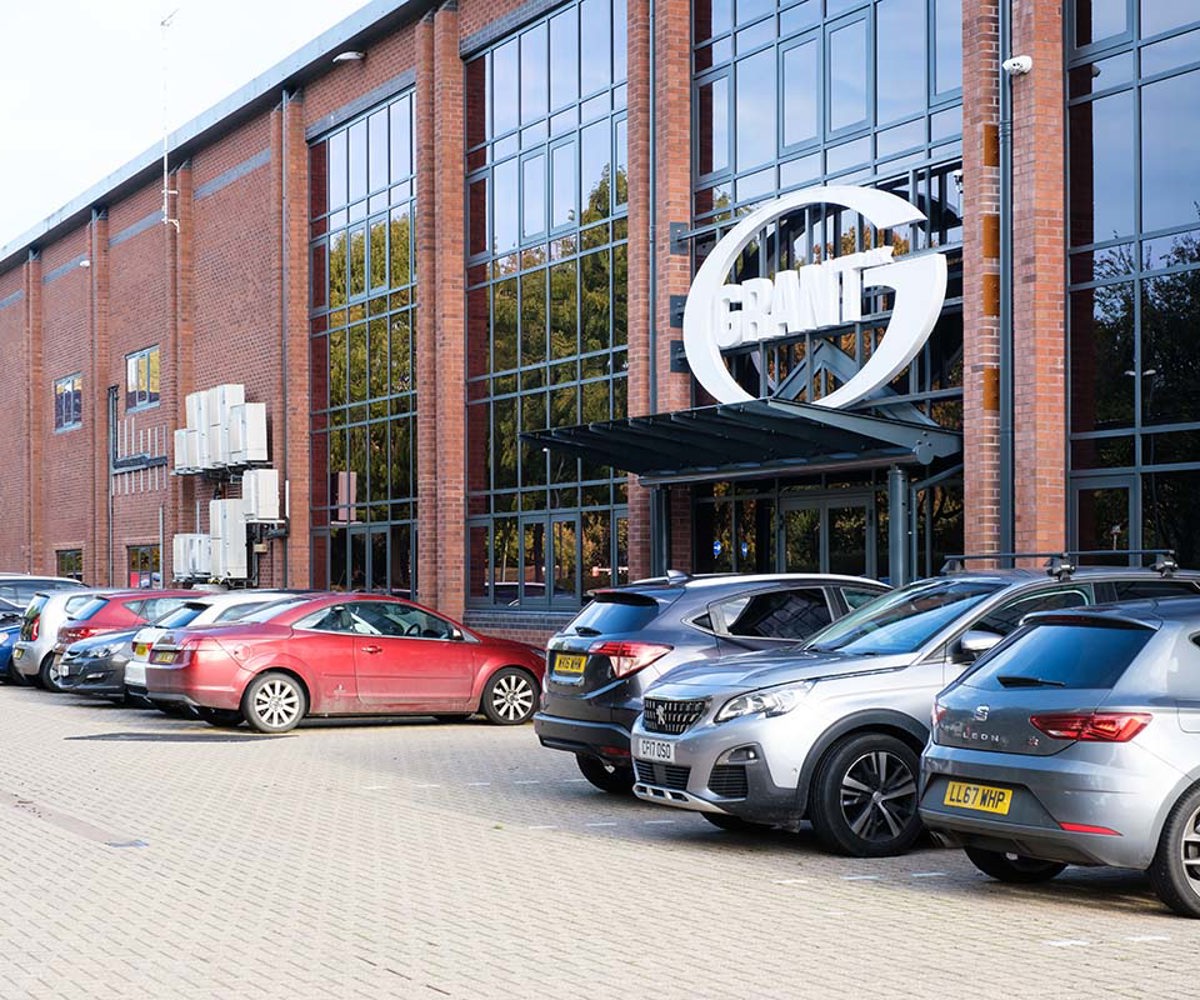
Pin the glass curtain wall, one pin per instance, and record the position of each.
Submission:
(547, 243)
(363, 322)
(1134, 271)
(788, 95)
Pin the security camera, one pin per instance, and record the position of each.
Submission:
(1017, 65)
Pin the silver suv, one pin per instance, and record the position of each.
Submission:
(832, 731)
(1077, 741)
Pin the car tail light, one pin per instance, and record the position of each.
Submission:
(629, 657)
(1088, 828)
(76, 633)
(33, 632)
(938, 713)
(1092, 727)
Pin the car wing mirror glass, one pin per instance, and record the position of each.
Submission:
(976, 642)
(456, 635)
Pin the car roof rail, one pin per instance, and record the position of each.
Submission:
(1063, 564)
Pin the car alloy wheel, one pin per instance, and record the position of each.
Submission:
(510, 697)
(1175, 871)
(865, 797)
(49, 674)
(274, 703)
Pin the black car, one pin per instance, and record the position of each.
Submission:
(628, 637)
(96, 666)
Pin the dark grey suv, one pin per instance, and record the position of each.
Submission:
(628, 637)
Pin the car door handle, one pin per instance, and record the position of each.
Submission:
(372, 649)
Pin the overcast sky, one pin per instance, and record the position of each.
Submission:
(81, 82)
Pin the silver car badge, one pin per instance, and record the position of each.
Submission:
(981, 713)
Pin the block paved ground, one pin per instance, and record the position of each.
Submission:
(147, 857)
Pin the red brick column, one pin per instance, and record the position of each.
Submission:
(426, 325)
(450, 215)
(37, 405)
(981, 275)
(641, 210)
(183, 492)
(296, 371)
(96, 396)
(1039, 289)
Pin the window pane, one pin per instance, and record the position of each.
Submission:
(1170, 151)
(1170, 347)
(400, 248)
(477, 202)
(713, 140)
(593, 270)
(504, 325)
(801, 91)
(755, 109)
(401, 139)
(358, 276)
(594, 68)
(847, 75)
(533, 196)
(900, 58)
(1102, 168)
(337, 170)
(358, 362)
(564, 58)
(533, 555)
(1096, 20)
(563, 325)
(358, 160)
(1102, 341)
(595, 167)
(621, 195)
(131, 376)
(620, 42)
(533, 74)
(947, 67)
(505, 89)
(533, 318)
(377, 140)
(1163, 15)
(155, 376)
(562, 185)
(566, 559)
(504, 207)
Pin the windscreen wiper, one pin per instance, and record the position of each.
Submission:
(1020, 680)
(586, 630)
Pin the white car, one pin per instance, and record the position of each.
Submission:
(206, 609)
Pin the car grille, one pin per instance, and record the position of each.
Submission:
(663, 775)
(662, 716)
(728, 781)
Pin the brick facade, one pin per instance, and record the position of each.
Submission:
(225, 295)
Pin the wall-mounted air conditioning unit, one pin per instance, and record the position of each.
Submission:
(181, 451)
(260, 494)
(247, 433)
(191, 557)
(227, 525)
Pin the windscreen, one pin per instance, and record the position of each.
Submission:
(182, 616)
(615, 613)
(269, 611)
(904, 620)
(1065, 656)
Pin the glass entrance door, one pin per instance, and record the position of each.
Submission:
(830, 534)
(1103, 514)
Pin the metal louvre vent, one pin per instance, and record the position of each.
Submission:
(663, 775)
(662, 716)
(728, 781)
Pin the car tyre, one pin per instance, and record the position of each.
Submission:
(274, 702)
(864, 800)
(1014, 868)
(1175, 871)
(222, 718)
(611, 778)
(732, 824)
(48, 674)
(510, 697)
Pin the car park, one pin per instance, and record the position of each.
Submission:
(47, 612)
(202, 609)
(832, 732)
(628, 637)
(1077, 742)
(343, 654)
(109, 612)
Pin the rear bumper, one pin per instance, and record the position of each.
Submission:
(178, 685)
(606, 740)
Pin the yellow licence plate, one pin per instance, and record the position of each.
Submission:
(569, 663)
(163, 656)
(18, 653)
(981, 798)
(141, 648)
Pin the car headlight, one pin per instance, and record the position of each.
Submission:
(768, 702)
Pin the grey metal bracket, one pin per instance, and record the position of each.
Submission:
(680, 238)
(679, 362)
(678, 304)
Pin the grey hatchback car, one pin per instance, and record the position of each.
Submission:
(627, 637)
(1077, 741)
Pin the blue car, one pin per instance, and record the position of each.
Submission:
(8, 635)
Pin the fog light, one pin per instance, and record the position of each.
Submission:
(739, 755)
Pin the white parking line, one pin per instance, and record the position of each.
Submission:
(1068, 943)
(860, 878)
(573, 781)
(528, 781)
(374, 788)
(427, 786)
(550, 827)
(599, 824)
(791, 881)
(926, 874)
(478, 784)
(658, 822)
(1146, 938)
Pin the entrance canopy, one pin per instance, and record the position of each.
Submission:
(756, 437)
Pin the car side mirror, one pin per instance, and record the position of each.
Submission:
(456, 635)
(975, 642)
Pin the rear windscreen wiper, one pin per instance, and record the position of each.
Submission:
(1019, 680)
(586, 630)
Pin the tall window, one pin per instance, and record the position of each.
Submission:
(142, 378)
(547, 197)
(69, 563)
(1134, 271)
(144, 569)
(68, 402)
(364, 310)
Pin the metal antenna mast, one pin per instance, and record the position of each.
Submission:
(164, 25)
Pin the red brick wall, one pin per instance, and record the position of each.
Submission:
(1039, 291)
(14, 445)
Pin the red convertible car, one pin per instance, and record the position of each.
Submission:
(343, 654)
